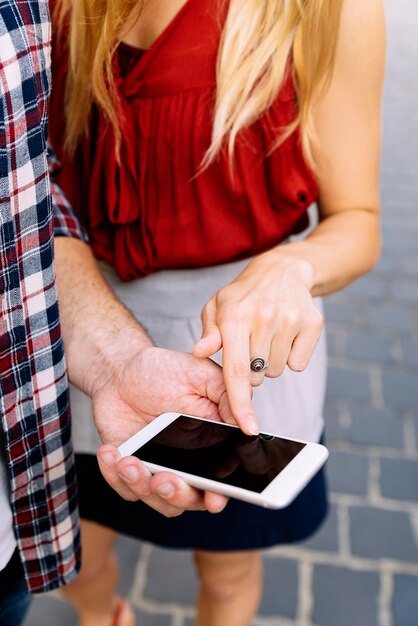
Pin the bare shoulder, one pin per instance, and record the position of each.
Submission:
(362, 35)
(348, 115)
(361, 15)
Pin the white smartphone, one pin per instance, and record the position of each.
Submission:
(266, 469)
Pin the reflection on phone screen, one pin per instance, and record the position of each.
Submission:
(218, 452)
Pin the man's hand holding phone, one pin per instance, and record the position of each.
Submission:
(111, 358)
(142, 386)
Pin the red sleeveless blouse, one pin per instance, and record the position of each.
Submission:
(154, 210)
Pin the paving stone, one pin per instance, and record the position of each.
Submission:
(348, 473)
(150, 619)
(341, 313)
(396, 243)
(407, 225)
(378, 533)
(386, 267)
(393, 318)
(326, 538)
(280, 592)
(163, 586)
(405, 600)
(128, 552)
(369, 348)
(399, 479)
(331, 343)
(333, 428)
(401, 389)
(343, 597)
(408, 268)
(43, 606)
(370, 287)
(406, 198)
(405, 290)
(410, 351)
(375, 427)
(345, 382)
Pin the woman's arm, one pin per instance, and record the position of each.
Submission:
(346, 244)
(268, 311)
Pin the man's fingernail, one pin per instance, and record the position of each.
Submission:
(130, 473)
(107, 458)
(252, 425)
(165, 491)
(219, 508)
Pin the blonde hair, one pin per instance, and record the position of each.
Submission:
(258, 40)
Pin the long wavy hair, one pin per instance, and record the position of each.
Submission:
(258, 40)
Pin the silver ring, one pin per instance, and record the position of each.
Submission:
(258, 365)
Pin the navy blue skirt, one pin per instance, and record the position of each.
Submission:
(240, 526)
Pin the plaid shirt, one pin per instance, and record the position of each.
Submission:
(33, 385)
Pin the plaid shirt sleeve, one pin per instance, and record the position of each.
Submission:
(66, 223)
(34, 403)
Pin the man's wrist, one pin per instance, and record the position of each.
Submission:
(102, 357)
(98, 331)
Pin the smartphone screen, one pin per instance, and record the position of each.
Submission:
(218, 452)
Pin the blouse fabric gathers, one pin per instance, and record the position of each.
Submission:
(155, 209)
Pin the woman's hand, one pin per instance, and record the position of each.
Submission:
(268, 312)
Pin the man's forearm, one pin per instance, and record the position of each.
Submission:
(98, 331)
(110, 357)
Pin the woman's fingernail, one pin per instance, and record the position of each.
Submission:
(130, 473)
(107, 458)
(166, 491)
(252, 425)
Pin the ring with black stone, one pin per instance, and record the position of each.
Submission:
(258, 365)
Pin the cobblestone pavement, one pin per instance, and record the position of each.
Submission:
(361, 569)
